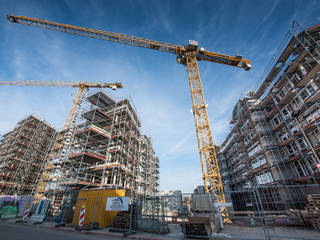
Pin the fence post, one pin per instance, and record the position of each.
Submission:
(131, 212)
(184, 212)
(257, 198)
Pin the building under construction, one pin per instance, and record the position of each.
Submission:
(274, 142)
(104, 150)
(23, 154)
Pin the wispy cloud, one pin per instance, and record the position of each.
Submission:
(271, 9)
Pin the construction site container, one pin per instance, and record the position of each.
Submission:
(95, 202)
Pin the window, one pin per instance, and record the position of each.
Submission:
(291, 149)
(276, 120)
(304, 94)
(284, 136)
(258, 162)
(295, 129)
(317, 82)
(310, 89)
(301, 143)
(299, 170)
(254, 150)
(284, 89)
(317, 134)
(252, 133)
(296, 78)
(297, 101)
(264, 178)
(285, 114)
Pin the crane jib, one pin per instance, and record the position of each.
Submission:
(99, 34)
(217, 59)
(129, 40)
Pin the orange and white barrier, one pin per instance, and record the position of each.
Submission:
(26, 212)
(81, 216)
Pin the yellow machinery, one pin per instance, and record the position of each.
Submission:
(67, 130)
(187, 55)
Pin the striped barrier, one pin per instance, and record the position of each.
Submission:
(26, 212)
(81, 216)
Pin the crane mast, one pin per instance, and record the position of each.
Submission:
(187, 55)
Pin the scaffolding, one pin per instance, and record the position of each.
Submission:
(274, 143)
(106, 150)
(23, 153)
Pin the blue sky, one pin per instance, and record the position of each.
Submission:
(155, 82)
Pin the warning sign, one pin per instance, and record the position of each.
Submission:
(117, 204)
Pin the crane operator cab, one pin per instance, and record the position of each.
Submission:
(192, 45)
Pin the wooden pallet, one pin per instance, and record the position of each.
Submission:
(122, 221)
(313, 208)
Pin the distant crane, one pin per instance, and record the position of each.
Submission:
(187, 55)
(16, 181)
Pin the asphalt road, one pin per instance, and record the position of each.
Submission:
(12, 231)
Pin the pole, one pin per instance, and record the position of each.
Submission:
(257, 198)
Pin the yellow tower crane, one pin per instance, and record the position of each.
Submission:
(67, 130)
(187, 55)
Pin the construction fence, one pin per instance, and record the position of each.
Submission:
(263, 212)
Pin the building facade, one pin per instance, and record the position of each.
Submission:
(274, 143)
(23, 154)
(106, 149)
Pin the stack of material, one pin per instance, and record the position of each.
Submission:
(196, 229)
(313, 209)
(205, 214)
(122, 220)
(202, 203)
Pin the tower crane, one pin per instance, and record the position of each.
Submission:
(17, 180)
(189, 56)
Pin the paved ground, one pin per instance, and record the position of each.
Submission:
(18, 231)
(276, 233)
(10, 231)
